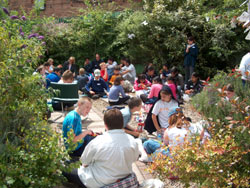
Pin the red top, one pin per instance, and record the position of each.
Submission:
(105, 78)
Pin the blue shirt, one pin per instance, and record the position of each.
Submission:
(72, 121)
(115, 92)
(97, 85)
(52, 77)
(127, 115)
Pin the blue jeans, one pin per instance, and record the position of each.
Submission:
(79, 151)
(154, 147)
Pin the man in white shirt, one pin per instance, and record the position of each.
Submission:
(245, 68)
(128, 71)
(109, 157)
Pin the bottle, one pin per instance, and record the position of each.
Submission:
(159, 137)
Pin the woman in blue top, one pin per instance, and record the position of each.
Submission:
(115, 91)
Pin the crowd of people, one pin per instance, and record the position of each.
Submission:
(107, 158)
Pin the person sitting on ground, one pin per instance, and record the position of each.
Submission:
(154, 91)
(82, 79)
(134, 105)
(194, 85)
(162, 108)
(53, 77)
(67, 78)
(170, 83)
(108, 158)
(73, 122)
(51, 67)
(141, 85)
(165, 73)
(96, 63)
(178, 78)
(104, 72)
(40, 70)
(245, 69)
(150, 74)
(70, 65)
(230, 94)
(128, 71)
(46, 66)
(96, 87)
(111, 66)
(115, 92)
(116, 74)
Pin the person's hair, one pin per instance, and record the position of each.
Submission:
(172, 120)
(117, 67)
(67, 75)
(72, 58)
(166, 65)
(46, 64)
(150, 68)
(83, 100)
(102, 63)
(165, 92)
(81, 71)
(157, 79)
(127, 60)
(175, 70)
(111, 59)
(123, 58)
(40, 68)
(113, 119)
(195, 74)
(118, 80)
(170, 78)
(50, 60)
(191, 38)
(134, 102)
(230, 88)
(56, 69)
(141, 77)
(177, 120)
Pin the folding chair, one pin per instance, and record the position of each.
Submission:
(68, 93)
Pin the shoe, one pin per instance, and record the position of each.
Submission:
(94, 97)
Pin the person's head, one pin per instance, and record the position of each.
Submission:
(51, 61)
(157, 80)
(103, 65)
(97, 57)
(81, 71)
(123, 59)
(57, 71)
(110, 60)
(229, 91)
(166, 94)
(97, 74)
(176, 117)
(41, 70)
(118, 81)
(135, 104)
(67, 77)
(84, 106)
(141, 78)
(190, 40)
(151, 71)
(72, 60)
(194, 77)
(165, 67)
(174, 71)
(46, 65)
(87, 61)
(113, 119)
(170, 80)
(117, 70)
(127, 62)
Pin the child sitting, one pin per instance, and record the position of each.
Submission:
(194, 85)
(141, 85)
(82, 79)
(116, 74)
(67, 78)
(170, 83)
(111, 66)
(154, 91)
(96, 87)
(104, 72)
(150, 74)
(165, 72)
(115, 91)
(134, 105)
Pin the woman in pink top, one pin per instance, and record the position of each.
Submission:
(170, 83)
(141, 85)
(154, 91)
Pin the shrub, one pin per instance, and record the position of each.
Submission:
(223, 161)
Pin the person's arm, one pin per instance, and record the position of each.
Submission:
(105, 86)
(122, 92)
(137, 86)
(88, 85)
(148, 83)
(151, 93)
(131, 131)
(88, 155)
(156, 124)
(105, 76)
(82, 135)
(194, 51)
(165, 138)
(125, 72)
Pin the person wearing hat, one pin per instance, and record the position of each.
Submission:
(96, 87)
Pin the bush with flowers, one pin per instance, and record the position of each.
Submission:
(223, 160)
(30, 154)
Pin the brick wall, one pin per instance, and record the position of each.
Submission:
(57, 8)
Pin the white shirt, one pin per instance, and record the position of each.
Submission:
(132, 71)
(162, 109)
(176, 136)
(108, 157)
(245, 67)
(112, 66)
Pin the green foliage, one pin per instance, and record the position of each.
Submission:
(30, 154)
(223, 160)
